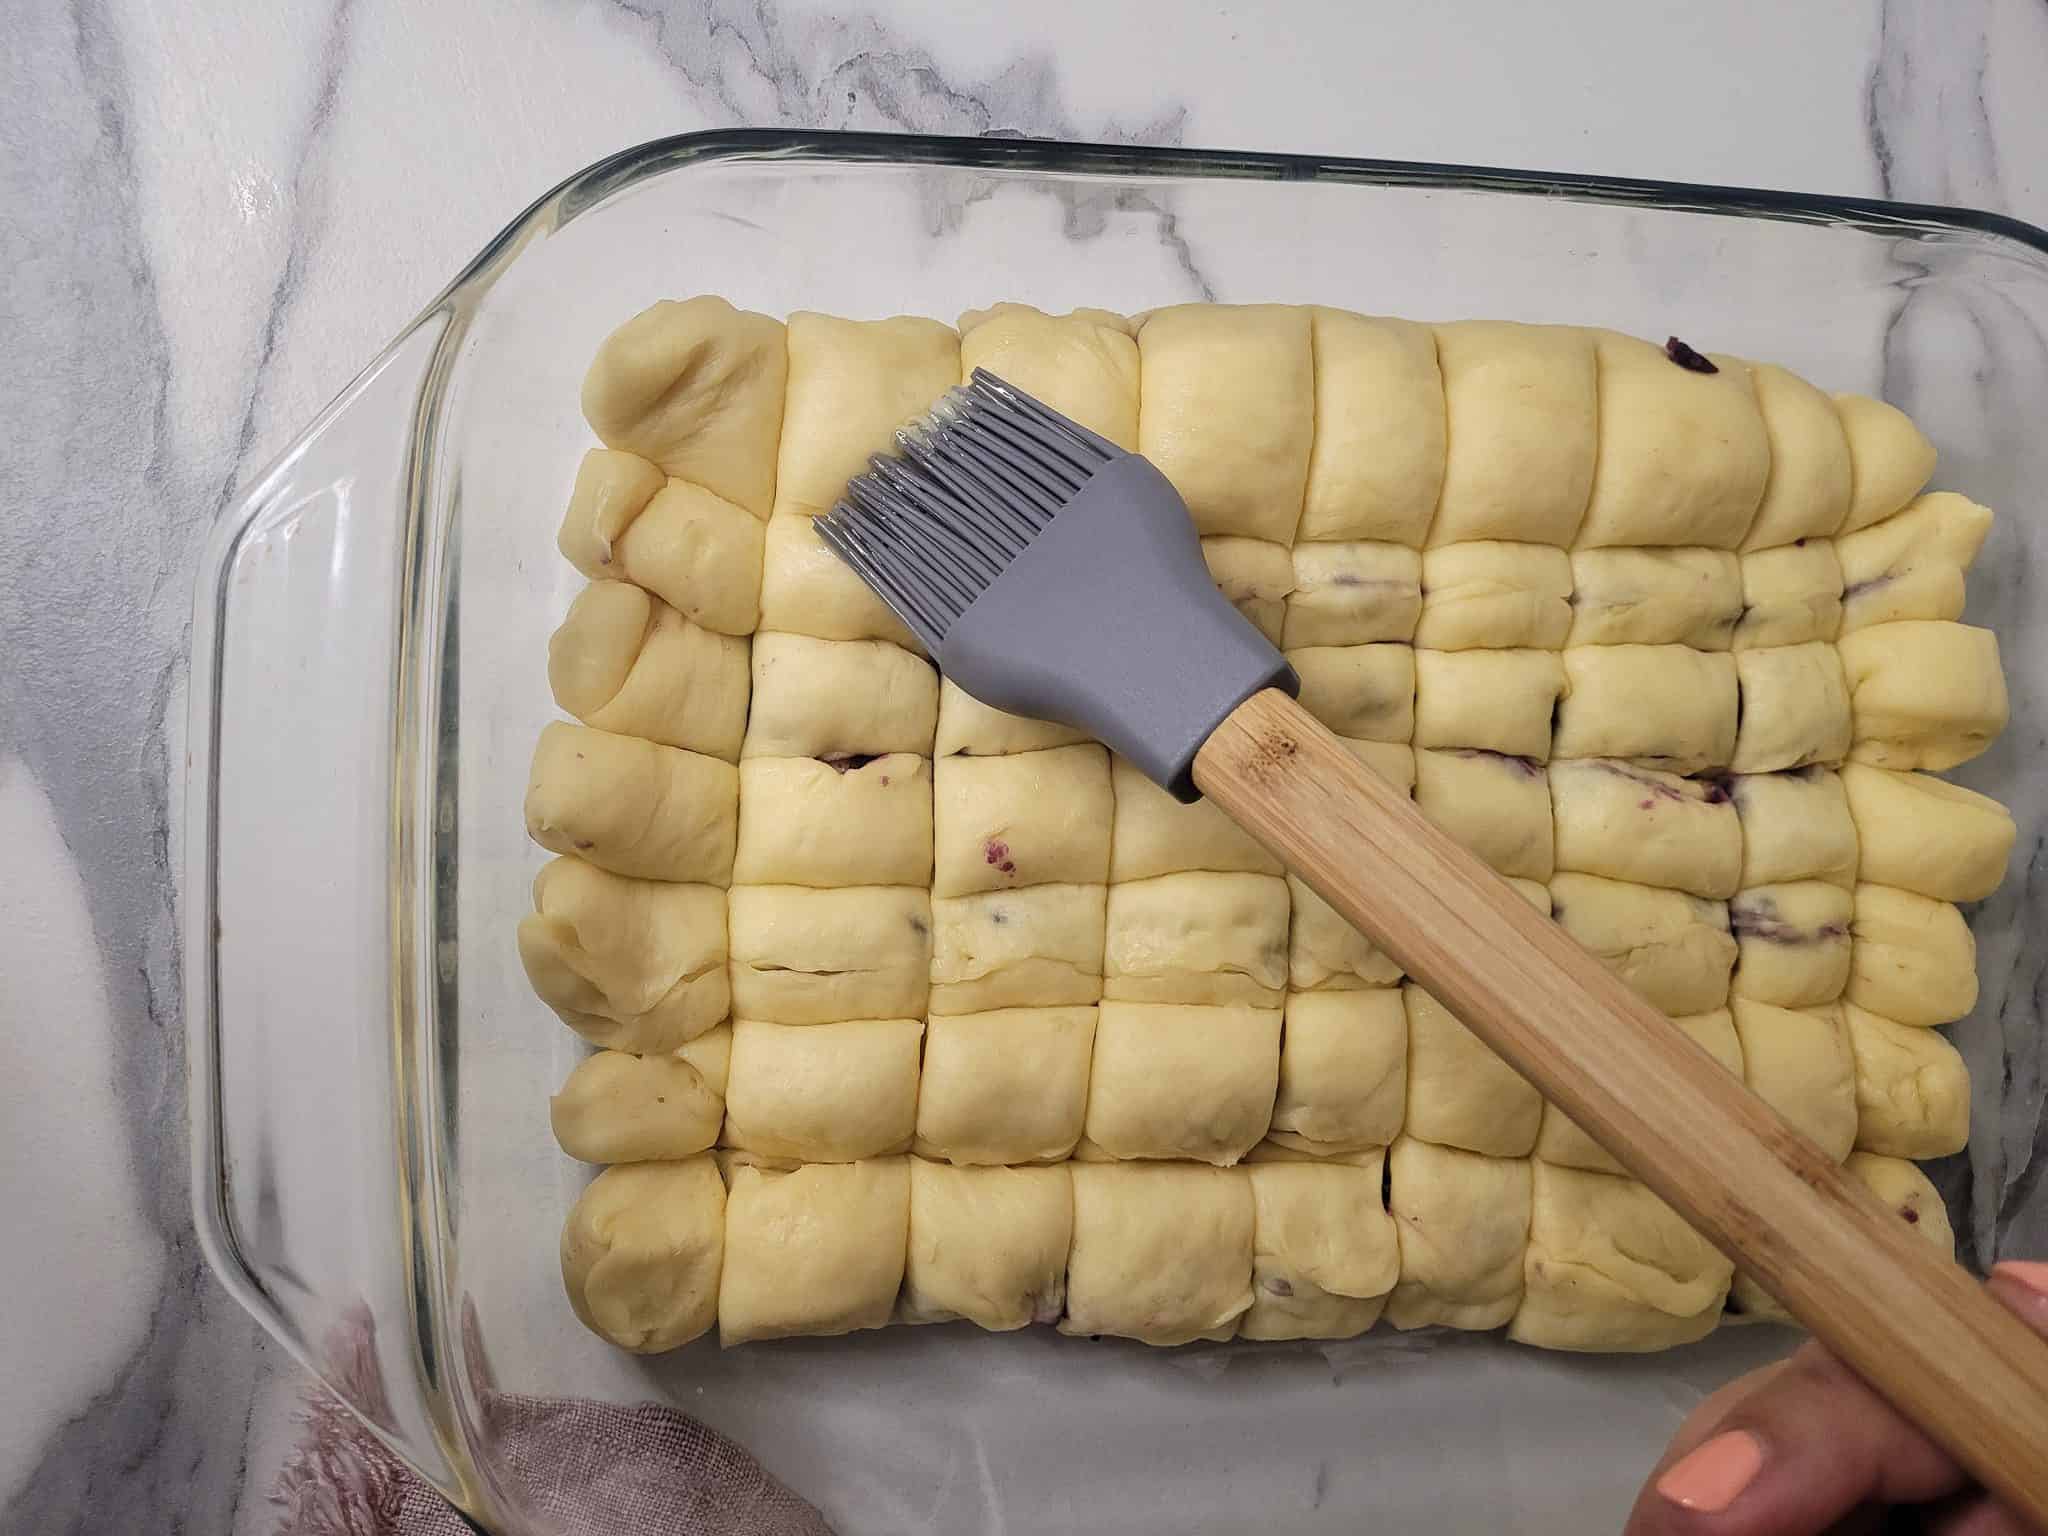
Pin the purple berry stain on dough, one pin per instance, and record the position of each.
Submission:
(997, 852)
(1278, 1285)
(847, 762)
(1912, 1216)
(1686, 358)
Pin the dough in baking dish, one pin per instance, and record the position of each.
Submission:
(1674, 949)
(852, 383)
(839, 698)
(1172, 1081)
(1790, 595)
(823, 1093)
(1352, 594)
(1792, 942)
(1343, 1083)
(1521, 406)
(1006, 1086)
(808, 590)
(1923, 693)
(1162, 1252)
(1155, 834)
(1255, 575)
(1489, 595)
(1377, 462)
(850, 821)
(1655, 597)
(1499, 807)
(1612, 1267)
(1807, 494)
(1084, 365)
(987, 1244)
(971, 728)
(1393, 761)
(618, 1108)
(1490, 701)
(814, 1250)
(697, 387)
(1683, 455)
(1631, 823)
(1912, 1088)
(1324, 1251)
(1795, 826)
(1323, 950)
(633, 807)
(642, 1252)
(1197, 938)
(1028, 818)
(1890, 459)
(1795, 708)
(804, 956)
(1910, 958)
(636, 965)
(1563, 1142)
(625, 661)
(1463, 1222)
(1926, 835)
(1009, 949)
(1227, 412)
(1362, 691)
(1662, 706)
(1911, 565)
(1798, 1061)
(611, 490)
(1460, 1094)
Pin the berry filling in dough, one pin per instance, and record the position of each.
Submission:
(1352, 594)
(1629, 823)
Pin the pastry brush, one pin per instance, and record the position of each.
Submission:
(1052, 574)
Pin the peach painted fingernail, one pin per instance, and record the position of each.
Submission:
(1711, 1477)
(2032, 1273)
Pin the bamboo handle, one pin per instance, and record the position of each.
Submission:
(1912, 1324)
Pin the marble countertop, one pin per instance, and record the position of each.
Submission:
(232, 207)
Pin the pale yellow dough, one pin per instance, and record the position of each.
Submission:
(825, 698)
(1325, 1253)
(1923, 693)
(1491, 701)
(1488, 595)
(804, 821)
(618, 1108)
(1790, 595)
(1912, 1088)
(1798, 1061)
(1152, 833)
(625, 661)
(1006, 1086)
(971, 728)
(1361, 691)
(1325, 951)
(1890, 459)
(1630, 823)
(1256, 575)
(1926, 835)
(1662, 706)
(1042, 945)
(1377, 463)
(1563, 1142)
(814, 1250)
(1162, 1252)
(1792, 941)
(633, 807)
(1795, 708)
(1197, 938)
(1352, 594)
(1460, 1094)
(852, 383)
(1172, 1081)
(1028, 818)
(1912, 959)
(823, 1093)
(1084, 365)
(987, 1244)
(1911, 565)
(1521, 407)
(808, 590)
(804, 956)
(1343, 1083)
(1499, 807)
(642, 1252)
(1807, 494)
(1655, 597)
(1674, 949)
(1796, 826)
(1463, 1222)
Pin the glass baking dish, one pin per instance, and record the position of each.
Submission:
(374, 1176)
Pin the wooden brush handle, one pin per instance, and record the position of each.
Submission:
(1913, 1324)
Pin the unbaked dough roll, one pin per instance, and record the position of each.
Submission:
(816, 1250)
(1197, 938)
(1790, 595)
(1227, 412)
(823, 1093)
(617, 1108)
(696, 386)
(848, 821)
(1393, 761)
(626, 662)
(1674, 949)
(1499, 807)
(1795, 708)
(1084, 364)
(1152, 833)
(1255, 575)
(1912, 1088)
(808, 590)
(1011, 949)
(1162, 1252)
(1890, 459)
(1923, 693)
(1488, 595)
(852, 383)
(1325, 951)
(1798, 1061)
(1926, 835)
(839, 699)
(1630, 823)
(970, 728)
(1795, 826)
(1911, 565)
(1463, 1222)
(642, 1252)
(635, 965)
(1683, 452)
(1343, 1071)
(1911, 958)
(1171, 1081)
(1492, 701)
(695, 550)
(1361, 691)
(633, 807)
(987, 1244)
(1029, 818)
(1655, 597)
(1460, 1094)
(1352, 594)
(1007, 1086)
(1792, 942)
(1521, 406)
(1662, 706)
(1324, 1252)
(1377, 462)
(803, 956)
(1611, 1267)
(1563, 1142)
(1807, 494)
(611, 490)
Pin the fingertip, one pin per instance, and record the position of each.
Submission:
(1714, 1475)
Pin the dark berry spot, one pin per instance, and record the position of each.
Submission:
(846, 762)
(1277, 1284)
(1007, 867)
(1912, 1216)
(998, 917)
(1686, 358)
(661, 1098)
(584, 846)
(997, 852)
(1646, 805)
(1799, 543)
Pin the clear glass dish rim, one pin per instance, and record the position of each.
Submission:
(413, 840)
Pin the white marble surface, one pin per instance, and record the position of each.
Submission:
(217, 214)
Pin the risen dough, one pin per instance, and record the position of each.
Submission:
(1084, 365)
(1377, 462)
(823, 1093)
(1637, 824)
(1255, 575)
(1393, 761)
(1494, 701)
(852, 821)
(642, 1251)
(617, 1108)
(1162, 1252)
(1793, 942)
(812, 1250)
(1361, 691)
(1807, 494)
(1890, 459)
(1007, 1086)
(1912, 959)
(1488, 595)
(1910, 566)
(1499, 807)
(1008, 949)
(1790, 595)
(1171, 1081)
(1926, 835)
(1520, 403)
(808, 590)
(1912, 1088)
(1655, 597)
(1029, 818)
(1343, 1071)
(1324, 1249)
(1197, 938)
(1664, 706)
(1563, 1142)
(803, 956)
(611, 490)
(839, 698)
(852, 383)
(1923, 693)
(1795, 826)
(696, 551)
(987, 1244)
(627, 662)
(1459, 1093)
(1463, 1221)
(633, 807)
(1155, 834)
(1799, 1063)
(1352, 594)
(1795, 708)
(974, 729)
(1674, 949)
(1323, 950)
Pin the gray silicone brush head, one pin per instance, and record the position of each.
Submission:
(1054, 575)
